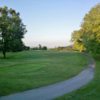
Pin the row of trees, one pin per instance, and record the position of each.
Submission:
(12, 31)
(40, 47)
(88, 36)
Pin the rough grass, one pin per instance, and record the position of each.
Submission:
(90, 91)
(31, 69)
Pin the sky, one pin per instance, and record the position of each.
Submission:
(50, 22)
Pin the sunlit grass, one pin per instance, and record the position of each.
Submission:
(32, 69)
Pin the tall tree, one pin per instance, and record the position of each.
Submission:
(91, 29)
(89, 33)
(11, 30)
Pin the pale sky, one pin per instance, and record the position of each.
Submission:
(50, 22)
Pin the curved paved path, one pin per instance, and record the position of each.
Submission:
(58, 89)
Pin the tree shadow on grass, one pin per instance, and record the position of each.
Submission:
(7, 57)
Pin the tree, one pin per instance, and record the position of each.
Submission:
(91, 28)
(44, 48)
(77, 38)
(40, 47)
(89, 33)
(11, 30)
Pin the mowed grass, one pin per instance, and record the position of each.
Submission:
(32, 69)
(88, 92)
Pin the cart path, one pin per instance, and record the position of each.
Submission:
(55, 90)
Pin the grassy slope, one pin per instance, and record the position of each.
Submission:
(27, 70)
(89, 92)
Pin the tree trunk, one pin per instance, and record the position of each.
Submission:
(4, 54)
(4, 48)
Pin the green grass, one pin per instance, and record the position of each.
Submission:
(31, 69)
(88, 92)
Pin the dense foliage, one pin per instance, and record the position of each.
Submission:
(89, 34)
(11, 30)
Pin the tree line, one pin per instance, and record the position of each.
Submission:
(40, 47)
(87, 38)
